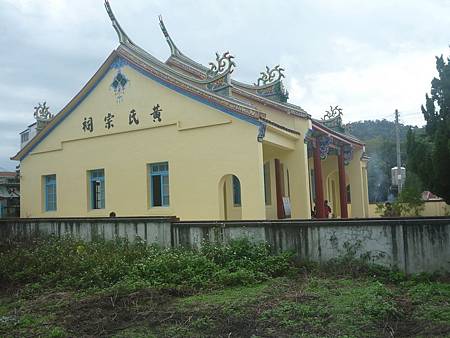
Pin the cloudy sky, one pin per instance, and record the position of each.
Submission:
(369, 57)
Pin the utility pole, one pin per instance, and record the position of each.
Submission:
(399, 162)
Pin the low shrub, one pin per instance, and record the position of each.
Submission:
(72, 263)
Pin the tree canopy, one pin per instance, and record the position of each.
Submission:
(429, 154)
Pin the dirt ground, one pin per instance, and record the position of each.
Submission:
(305, 306)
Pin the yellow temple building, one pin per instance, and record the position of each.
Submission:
(151, 138)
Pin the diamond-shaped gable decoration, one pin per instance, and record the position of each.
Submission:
(119, 84)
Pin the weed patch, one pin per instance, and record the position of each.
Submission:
(66, 288)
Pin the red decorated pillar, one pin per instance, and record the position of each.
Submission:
(319, 202)
(278, 183)
(342, 184)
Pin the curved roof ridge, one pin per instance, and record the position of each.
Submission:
(153, 62)
(173, 48)
(244, 88)
(130, 47)
(123, 37)
(348, 137)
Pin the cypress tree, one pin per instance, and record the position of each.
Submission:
(429, 154)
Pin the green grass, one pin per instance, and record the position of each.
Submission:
(316, 305)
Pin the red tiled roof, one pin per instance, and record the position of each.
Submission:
(7, 173)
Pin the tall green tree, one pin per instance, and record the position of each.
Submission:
(429, 154)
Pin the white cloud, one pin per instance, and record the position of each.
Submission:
(368, 56)
(397, 81)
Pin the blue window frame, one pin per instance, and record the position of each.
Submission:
(50, 192)
(236, 192)
(97, 188)
(159, 184)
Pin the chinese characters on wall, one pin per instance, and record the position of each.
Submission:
(133, 118)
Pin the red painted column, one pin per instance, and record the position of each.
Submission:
(319, 203)
(280, 208)
(342, 184)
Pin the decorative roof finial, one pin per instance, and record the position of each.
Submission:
(224, 64)
(123, 37)
(41, 112)
(270, 76)
(334, 112)
(173, 48)
(333, 118)
(42, 115)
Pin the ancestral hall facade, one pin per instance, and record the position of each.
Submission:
(151, 138)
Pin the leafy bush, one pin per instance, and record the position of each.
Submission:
(72, 263)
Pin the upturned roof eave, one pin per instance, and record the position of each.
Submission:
(319, 126)
(244, 89)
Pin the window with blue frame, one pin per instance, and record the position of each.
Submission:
(50, 192)
(97, 188)
(236, 192)
(159, 184)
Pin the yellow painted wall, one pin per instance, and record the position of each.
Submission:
(200, 144)
(431, 208)
(203, 147)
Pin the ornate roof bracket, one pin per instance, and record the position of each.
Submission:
(173, 48)
(261, 132)
(123, 37)
(269, 84)
(324, 143)
(347, 152)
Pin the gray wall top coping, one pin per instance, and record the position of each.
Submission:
(438, 220)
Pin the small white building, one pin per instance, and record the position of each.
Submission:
(28, 134)
(9, 194)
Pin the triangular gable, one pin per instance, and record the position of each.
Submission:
(197, 94)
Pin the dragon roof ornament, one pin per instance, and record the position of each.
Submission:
(270, 76)
(334, 112)
(270, 86)
(333, 118)
(218, 74)
(173, 48)
(224, 65)
(123, 37)
(42, 113)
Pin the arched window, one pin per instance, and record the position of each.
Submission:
(236, 192)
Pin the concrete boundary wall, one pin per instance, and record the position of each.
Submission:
(154, 230)
(412, 245)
